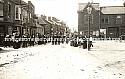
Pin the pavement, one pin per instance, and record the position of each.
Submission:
(106, 60)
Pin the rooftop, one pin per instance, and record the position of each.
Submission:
(41, 21)
(113, 10)
(83, 5)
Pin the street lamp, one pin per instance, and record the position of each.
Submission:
(89, 10)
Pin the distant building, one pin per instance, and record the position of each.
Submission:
(40, 24)
(83, 19)
(108, 21)
(112, 19)
(31, 19)
(54, 26)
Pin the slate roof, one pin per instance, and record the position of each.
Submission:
(52, 21)
(113, 10)
(46, 21)
(41, 21)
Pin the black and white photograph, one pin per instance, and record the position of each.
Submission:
(62, 39)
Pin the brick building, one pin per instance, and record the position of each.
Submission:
(31, 19)
(24, 18)
(83, 19)
(16, 16)
(40, 24)
(6, 18)
(54, 26)
(108, 21)
(112, 20)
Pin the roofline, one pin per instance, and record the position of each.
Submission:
(110, 6)
(101, 6)
(114, 14)
(87, 3)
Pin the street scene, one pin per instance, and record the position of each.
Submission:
(62, 39)
(104, 61)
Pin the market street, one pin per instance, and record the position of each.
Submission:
(106, 60)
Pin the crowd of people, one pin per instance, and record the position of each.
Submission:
(17, 42)
(81, 41)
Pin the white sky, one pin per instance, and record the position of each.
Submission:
(66, 10)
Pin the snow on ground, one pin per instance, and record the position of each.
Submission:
(105, 61)
(111, 52)
(112, 55)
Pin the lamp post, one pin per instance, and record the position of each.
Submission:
(89, 10)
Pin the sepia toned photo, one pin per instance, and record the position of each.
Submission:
(62, 39)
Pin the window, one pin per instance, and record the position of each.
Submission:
(28, 18)
(21, 16)
(92, 18)
(9, 9)
(30, 15)
(85, 19)
(118, 20)
(1, 9)
(17, 13)
(105, 20)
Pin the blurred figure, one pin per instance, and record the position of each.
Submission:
(16, 42)
(67, 40)
(7, 41)
(91, 45)
(84, 42)
(24, 41)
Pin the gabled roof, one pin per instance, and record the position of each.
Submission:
(82, 6)
(53, 21)
(41, 21)
(113, 10)
(46, 21)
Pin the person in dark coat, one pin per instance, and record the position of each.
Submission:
(84, 42)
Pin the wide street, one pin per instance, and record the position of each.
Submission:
(106, 60)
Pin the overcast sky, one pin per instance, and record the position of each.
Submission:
(66, 10)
